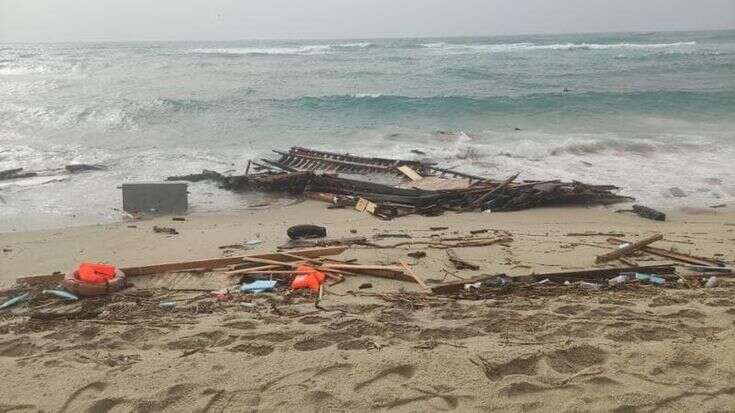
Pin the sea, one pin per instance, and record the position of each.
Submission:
(645, 111)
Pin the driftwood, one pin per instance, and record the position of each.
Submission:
(187, 265)
(204, 176)
(445, 244)
(459, 263)
(623, 251)
(413, 275)
(310, 243)
(16, 173)
(302, 171)
(81, 167)
(591, 274)
(649, 213)
(686, 258)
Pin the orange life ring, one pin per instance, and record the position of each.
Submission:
(79, 287)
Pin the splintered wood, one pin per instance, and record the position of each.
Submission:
(429, 192)
(627, 249)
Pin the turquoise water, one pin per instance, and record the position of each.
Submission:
(645, 111)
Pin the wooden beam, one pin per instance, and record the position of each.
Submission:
(276, 258)
(415, 276)
(689, 259)
(410, 173)
(623, 251)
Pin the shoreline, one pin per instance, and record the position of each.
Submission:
(201, 235)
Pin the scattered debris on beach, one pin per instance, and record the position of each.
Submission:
(314, 267)
(424, 188)
(21, 173)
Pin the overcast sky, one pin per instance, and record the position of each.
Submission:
(120, 20)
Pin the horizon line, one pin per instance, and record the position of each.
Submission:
(306, 39)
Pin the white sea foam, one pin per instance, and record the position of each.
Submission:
(512, 47)
(295, 50)
(367, 95)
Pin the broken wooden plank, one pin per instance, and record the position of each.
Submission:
(413, 275)
(459, 263)
(627, 249)
(598, 273)
(454, 287)
(185, 265)
(498, 188)
(686, 258)
(410, 173)
(364, 205)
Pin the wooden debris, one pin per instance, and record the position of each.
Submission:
(365, 205)
(415, 276)
(304, 243)
(301, 171)
(205, 175)
(459, 263)
(689, 259)
(484, 197)
(186, 265)
(76, 168)
(457, 286)
(165, 230)
(410, 173)
(445, 245)
(649, 213)
(417, 254)
(625, 250)
(16, 173)
(595, 234)
(597, 274)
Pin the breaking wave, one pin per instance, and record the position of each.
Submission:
(513, 47)
(316, 49)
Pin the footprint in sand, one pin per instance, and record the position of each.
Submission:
(526, 365)
(254, 349)
(576, 359)
(402, 373)
(311, 344)
(445, 333)
(84, 396)
(19, 347)
(572, 309)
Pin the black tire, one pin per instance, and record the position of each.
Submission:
(306, 231)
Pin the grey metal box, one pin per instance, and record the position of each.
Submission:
(155, 197)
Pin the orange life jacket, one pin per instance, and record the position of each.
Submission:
(312, 278)
(96, 273)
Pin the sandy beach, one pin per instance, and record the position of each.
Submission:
(643, 349)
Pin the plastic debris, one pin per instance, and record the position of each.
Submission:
(258, 286)
(619, 280)
(61, 294)
(474, 286)
(167, 305)
(649, 278)
(497, 282)
(15, 300)
(253, 242)
(589, 286)
(712, 282)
